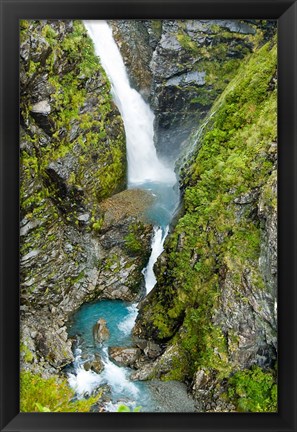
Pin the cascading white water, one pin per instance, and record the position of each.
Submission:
(85, 382)
(157, 248)
(127, 324)
(143, 162)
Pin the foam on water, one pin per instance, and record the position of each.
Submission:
(84, 382)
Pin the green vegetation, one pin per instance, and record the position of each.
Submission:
(125, 408)
(253, 390)
(26, 353)
(38, 394)
(82, 138)
(216, 236)
(133, 243)
(157, 27)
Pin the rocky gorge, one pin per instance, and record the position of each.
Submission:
(210, 321)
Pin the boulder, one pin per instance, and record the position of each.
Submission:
(146, 372)
(95, 365)
(124, 356)
(43, 107)
(100, 331)
(149, 348)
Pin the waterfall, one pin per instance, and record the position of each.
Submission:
(143, 162)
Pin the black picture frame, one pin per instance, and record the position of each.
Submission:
(285, 11)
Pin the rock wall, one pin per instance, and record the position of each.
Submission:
(181, 66)
(74, 247)
(213, 310)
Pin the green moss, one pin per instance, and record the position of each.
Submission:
(132, 240)
(253, 390)
(100, 161)
(98, 225)
(187, 43)
(50, 395)
(215, 60)
(157, 27)
(26, 354)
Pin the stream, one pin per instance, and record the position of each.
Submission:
(145, 171)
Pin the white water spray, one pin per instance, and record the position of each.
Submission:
(143, 162)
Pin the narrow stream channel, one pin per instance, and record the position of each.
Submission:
(145, 171)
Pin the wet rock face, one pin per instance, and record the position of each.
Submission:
(136, 51)
(180, 67)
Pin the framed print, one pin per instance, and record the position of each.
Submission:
(148, 207)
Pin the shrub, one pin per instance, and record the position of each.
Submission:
(253, 390)
(38, 394)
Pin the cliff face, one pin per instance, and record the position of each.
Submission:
(214, 306)
(181, 66)
(73, 157)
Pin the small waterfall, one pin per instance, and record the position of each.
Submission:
(157, 248)
(143, 162)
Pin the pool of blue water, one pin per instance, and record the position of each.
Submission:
(117, 314)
